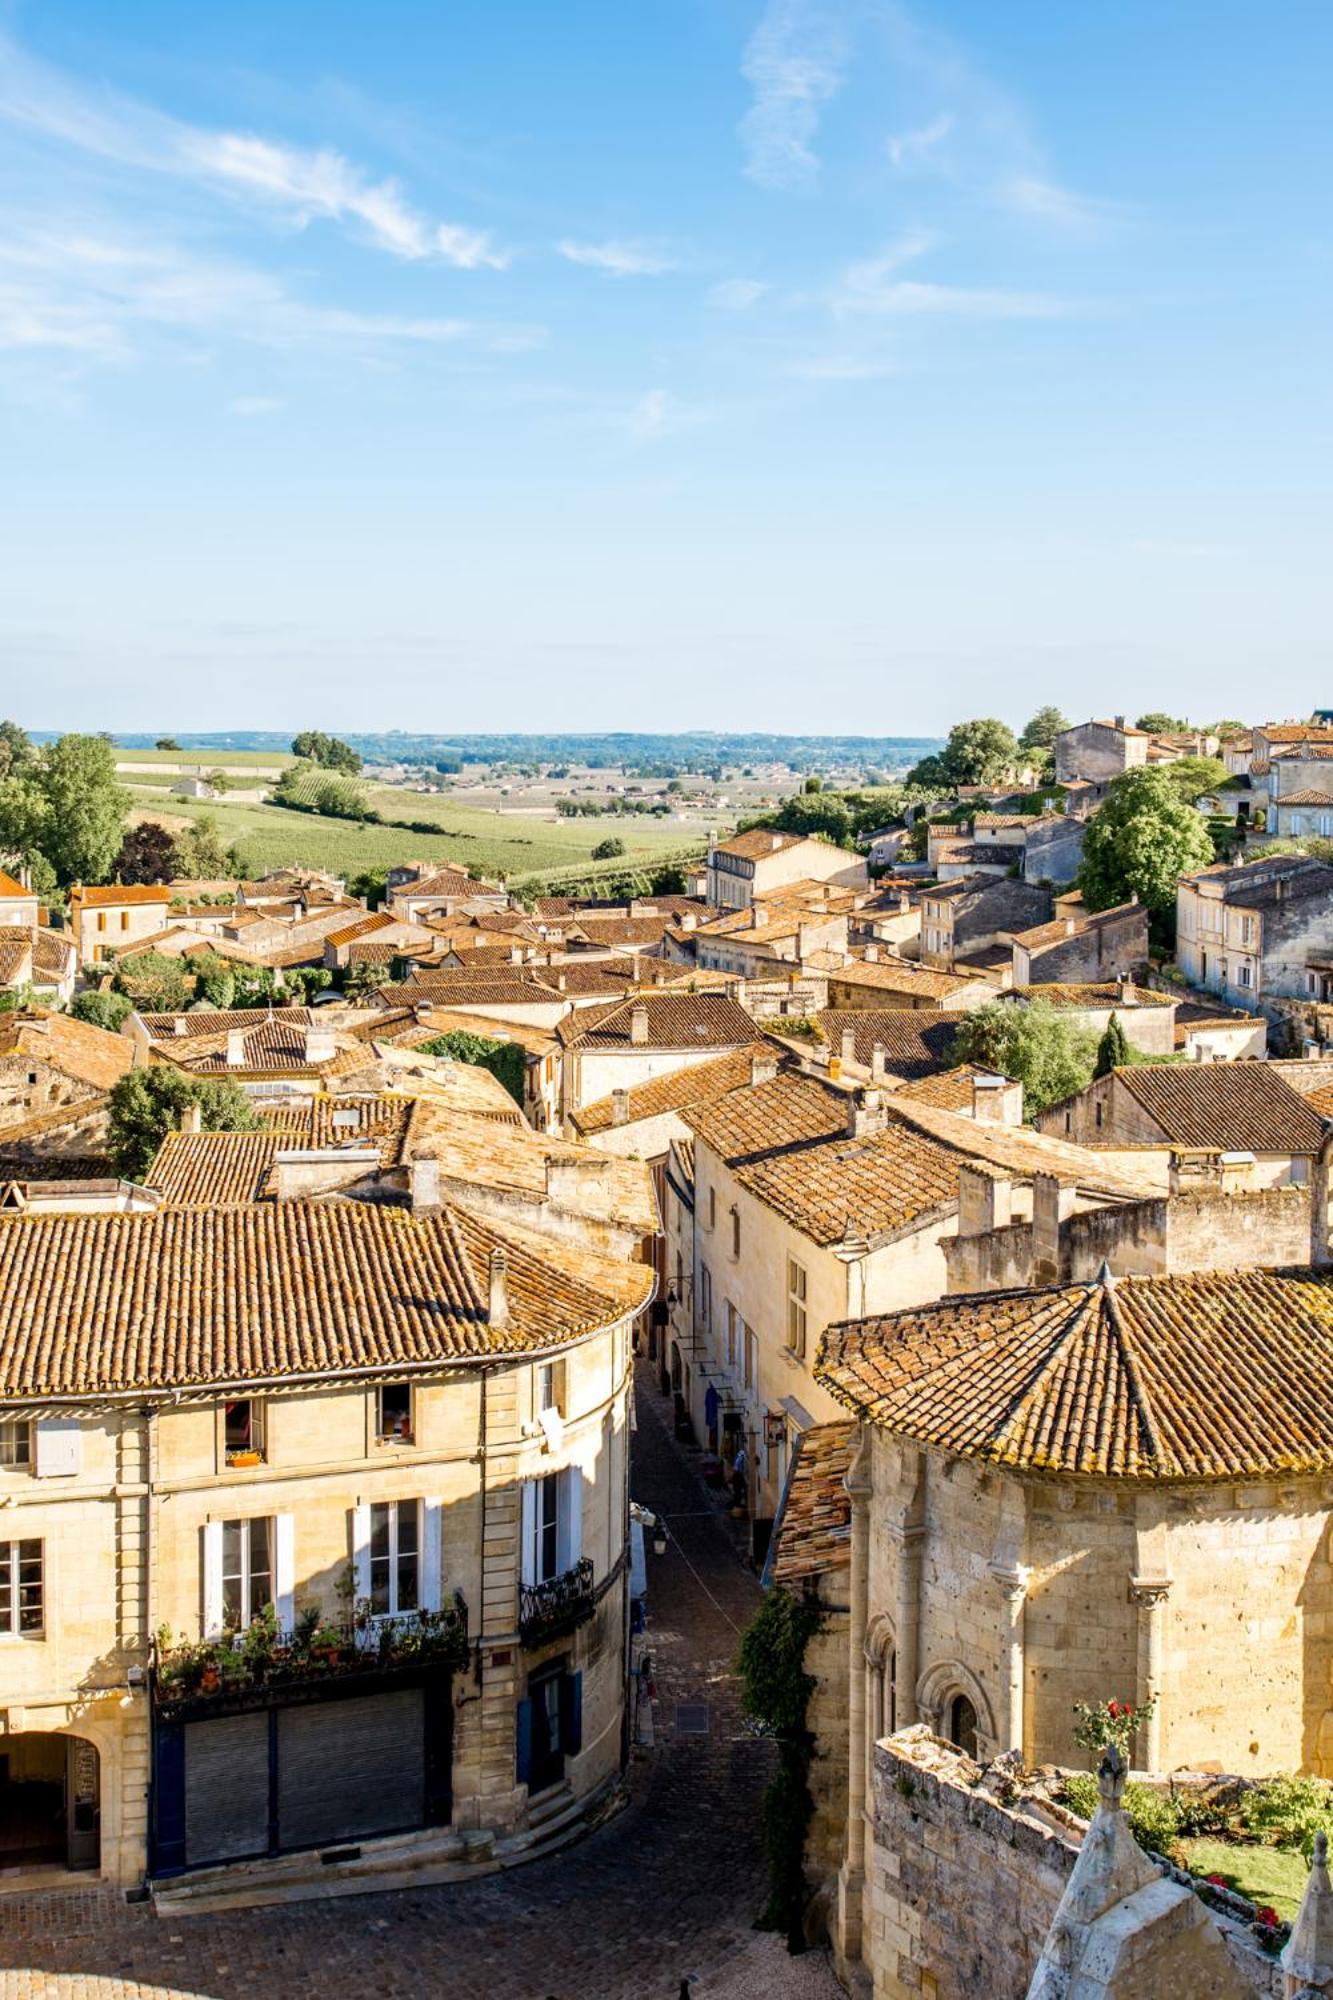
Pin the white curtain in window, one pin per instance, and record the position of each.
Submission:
(361, 1551)
(212, 1579)
(432, 1555)
(569, 1520)
(284, 1570)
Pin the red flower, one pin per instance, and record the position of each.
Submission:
(1113, 1709)
(1218, 1881)
(1268, 1917)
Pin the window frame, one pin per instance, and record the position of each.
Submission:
(798, 1285)
(393, 1436)
(391, 1515)
(20, 1428)
(248, 1574)
(13, 1557)
(256, 1451)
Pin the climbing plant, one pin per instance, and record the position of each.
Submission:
(504, 1060)
(776, 1691)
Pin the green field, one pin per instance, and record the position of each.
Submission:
(207, 760)
(490, 842)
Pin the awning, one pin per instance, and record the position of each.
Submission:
(798, 1413)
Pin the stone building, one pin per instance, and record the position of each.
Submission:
(1083, 948)
(1244, 1108)
(966, 915)
(1255, 931)
(1099, 751)
(741, 870)
(631, 1042)
(406, 1431)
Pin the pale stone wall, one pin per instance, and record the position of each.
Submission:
(829, 1720)
(591, 1076)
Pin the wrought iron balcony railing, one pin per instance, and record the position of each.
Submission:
(547, 1610)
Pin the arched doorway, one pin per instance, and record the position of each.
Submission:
(50, 1802)
(962, 1725)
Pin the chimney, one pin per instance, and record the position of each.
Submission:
(236, 1048)
(620, 1107)
(320, 1046)
(1120, 723)
(560, 982)
(878, 1057)
(985, 1201)
(775, 841)
(497, 1311)
(1126, 986)
(425, 1182)
(904, 903)
(864, 1114)
(638, 1026)
(872, 954)
(1050, 1203)
(763, 1066)
(1071, 925)
(192, 1118)
(988, 1099)
(179, 1025)
(515, 954)
(424, 1009)
(847, 1046)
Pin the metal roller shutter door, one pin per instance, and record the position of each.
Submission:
(350, 1769)
(226, 1788)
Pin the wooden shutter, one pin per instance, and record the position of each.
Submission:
(430, 1541)
(361, 1552)
(522, 1741)
(57, 1441)
(212, 1566)
(284, 1570)
(528, 1544)
(570, 1522)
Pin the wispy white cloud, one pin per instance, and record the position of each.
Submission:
(621, 259)
(909, 149)
(658, 414)
(875, 286)
(1043, 201)
(254, 406)
(300, 184)
(737, 294)
(794, 64)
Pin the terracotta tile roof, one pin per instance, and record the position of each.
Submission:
(675, 1021)
(476, 1152)
(118, 893)
(813, 1531)
(343, 1121)
(39, 1167)
(917, 1041)
(95, 1304)
(952, 1090)
(276, 1045)
(1083, 920)
(90, 1055)
(700, 1083)
(1215, 1376)
(411, 1033)
(367, 952)
(10, 888)
(15, 956)
(1020, 1152)
(451, 881)
(758, 843)
(1309, 797)
(53, 953)
(619, 930)
(1009, 822)
(233, 1169)
(1301, 753)
(1295, 732)
(844, 1189)
(216, 1021)
(768, 1118)
(1058, 993)
(1237, 1107)
(900, 976)
(362, 927)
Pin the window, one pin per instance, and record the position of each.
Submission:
(1245, 975)
(393, 1413)
(1247, 930)
(751, 1355)
(712, 1208)
(1098, 1109)
(735, 1232)
(962, 1725)
(705, 1295)
(551, 1387)
(15, 1441)
(732, 1324)
(394, 1557)
(101, 920)
(247, 1571)
(795, 1307)
(124, 920)
(243, 1431)
(552, 1525)
(545, 1554)
(20, 1588)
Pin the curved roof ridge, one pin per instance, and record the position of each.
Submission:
(1147, 1416)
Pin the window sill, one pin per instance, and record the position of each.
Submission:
(394, 1443)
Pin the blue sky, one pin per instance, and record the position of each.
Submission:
(686, 363)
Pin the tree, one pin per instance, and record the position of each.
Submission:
(1113, 1048)
(1141, 842)
(930, 775)
(329, 751)
(1158, 724)
(981, 752)
(607, 850)
(218, 781)
(1196, 778)
(86, 807)
(199, 854)
(815, 784)
(1038, 1045)
(154, 981)
(505, 1060)
(15, 747)
(101, 1010)
(214, 981)
(1041, 732)
(166, 743)
(147, 854)
(147, 1103)
(815, 813)
(1227, 728)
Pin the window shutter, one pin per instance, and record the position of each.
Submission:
(571, 1713)
(522, 1742)
(432, 1555)
(570, 1525)
(212, 1579)
(284, 1570)
(361, 1552)
(58, 1443)
(528, 1544)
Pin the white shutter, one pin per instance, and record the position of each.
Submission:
(361, 1553)
(527, 1554)
(58, 1441)
(432, 1555)
(569, 1528)
(212, 1579)
(284, 1570)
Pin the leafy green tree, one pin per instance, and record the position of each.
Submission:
(981, 752)
(1113, 1048)
(1159, 724)
(1141, 842)
(15, 748)
(214, 981)
(371, 884)
(154, 981)
(147, 1103)
(1038, 1045)
(814, 784)
(101, 1010)
(1040, 733)
(607, 850)
(329, 751)
(86, 806)
(218, 780)
(504, 1060)
(931, 775)
(147, 854)
(24, 815)
(1228, 728)
(815, 813)
(166, 743)
(199, 854)
(1196, 777)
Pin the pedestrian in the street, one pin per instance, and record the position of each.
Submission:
(740, 1477)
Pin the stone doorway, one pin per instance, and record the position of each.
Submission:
(50, 1803)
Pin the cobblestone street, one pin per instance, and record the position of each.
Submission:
(664, 1892)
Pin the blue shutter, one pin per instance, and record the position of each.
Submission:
(167, 1815)
(571, 1713)
(522, 1742)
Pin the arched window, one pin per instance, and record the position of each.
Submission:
(962, 1729)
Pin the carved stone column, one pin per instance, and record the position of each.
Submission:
(1149, 1594)
(1010, 1722)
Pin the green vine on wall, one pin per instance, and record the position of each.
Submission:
(504, 1060)
(776, 1691)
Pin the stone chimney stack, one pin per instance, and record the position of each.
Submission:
(763, 1066)
(878, 1062)
(425, 1178)
(985, 1201)
(497, 1311)
(620, 1107)
(872, 954)
(865, 1114)
(988, 1093)
(192, 1118)
(638, 1026)
(1321, 1174)
(1049, 1204)
(236, 1048)
(847, 1046)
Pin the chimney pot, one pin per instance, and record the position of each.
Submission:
(847, 1048)
(498, 1305)
(638, 1026)
(878, 1057)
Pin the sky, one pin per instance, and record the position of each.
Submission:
(764, 364)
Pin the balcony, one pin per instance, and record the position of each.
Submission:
(549, 1610)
